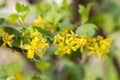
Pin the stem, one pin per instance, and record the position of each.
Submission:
(21, 22)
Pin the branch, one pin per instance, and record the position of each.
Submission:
(117, 65)
(75, 10)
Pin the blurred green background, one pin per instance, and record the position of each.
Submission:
(105, 14)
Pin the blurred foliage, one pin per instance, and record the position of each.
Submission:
(107, 15)
(84, 12)
(59, 18)
(3, 4)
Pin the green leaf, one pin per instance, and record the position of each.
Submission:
(76, 53)
(17, 39)
(89, 6)
(1, 20)
(22, 9)
(11, 30)
(86, 30)
(44, 32)
(13, 17)
(84, 12)
(53, 17)
(36, 57)
(16, 42)
(22, 12)
(66, 24)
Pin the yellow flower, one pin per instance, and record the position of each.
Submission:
(68, 42)
(94, 50)
(104, 47)
(34, 33)
(37, 45)
(7, 39)
(82, 43)
(98, 46)
(39, 21)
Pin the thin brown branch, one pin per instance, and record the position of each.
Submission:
(75, 10)
(117, 65)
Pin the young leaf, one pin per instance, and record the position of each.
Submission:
(86, 29)
(13, 17)
(22, 12)
(84, 12)
(20, 8)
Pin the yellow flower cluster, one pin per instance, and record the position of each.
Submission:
(98, 46)
(7, 39)
(44, 24)
(37, 45)
(66, 43)
(39, 21)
